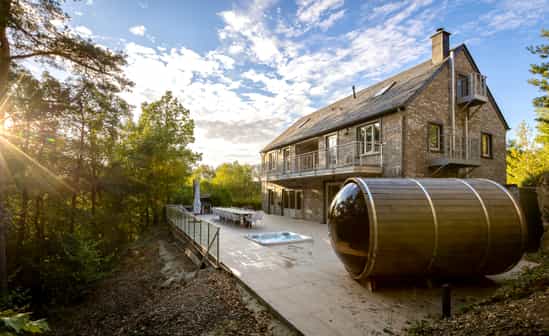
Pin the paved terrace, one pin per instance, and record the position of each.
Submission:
(307, 284)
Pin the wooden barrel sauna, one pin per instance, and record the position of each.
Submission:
(426, 227)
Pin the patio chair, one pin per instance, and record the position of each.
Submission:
(256, 217)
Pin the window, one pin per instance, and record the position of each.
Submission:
(369, 138)
(271, 197)
(462, 86)
(272, 160)
(384, 89)
(304, 122)
(331, 149)
(291, 199)
(286, 159)
(435, 137)
(486, 145)
(285, 199)
(298, 200)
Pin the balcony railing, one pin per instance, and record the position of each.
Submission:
(465, 152)
(475, 92)
(349, 157)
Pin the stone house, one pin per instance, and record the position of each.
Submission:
(436, 119)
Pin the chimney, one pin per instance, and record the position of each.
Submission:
(440, 45)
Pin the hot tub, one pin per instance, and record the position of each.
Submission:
(276, 238)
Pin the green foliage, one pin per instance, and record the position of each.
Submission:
(18, 297)
(14, 323)
(230, 184)
(73, 263)
(116, 176)
(527, 159)
(542, 82)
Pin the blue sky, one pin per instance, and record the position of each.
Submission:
(247, 69)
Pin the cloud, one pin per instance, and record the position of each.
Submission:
(324, 25)
(507, 15)
(311, 11)
(255, 131)
(273, 65)
(138, 30)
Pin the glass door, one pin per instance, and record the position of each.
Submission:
(331, 150)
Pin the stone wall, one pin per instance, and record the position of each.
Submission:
(433, 106)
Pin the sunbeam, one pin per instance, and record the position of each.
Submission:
(57, 181)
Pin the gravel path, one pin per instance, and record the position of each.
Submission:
(153, 292)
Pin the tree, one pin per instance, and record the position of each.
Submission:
(238, 181)
(541, 103)
(158, 153)
(526, 159)
(37, 29)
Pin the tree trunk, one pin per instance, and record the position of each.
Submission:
(22, 226)
(4, 75)
(73, 212)
(3, 257)
(39, 227)
(5, 60)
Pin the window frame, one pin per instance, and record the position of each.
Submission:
(440, 137)
(362, 140)
(460, 78)
(272, 156)
(286, 161)
(299, 199)
(490, 138)
(327, 148)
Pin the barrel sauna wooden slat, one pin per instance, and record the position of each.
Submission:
(426, 227)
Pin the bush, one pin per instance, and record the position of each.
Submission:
(14, 323)
(74, 264)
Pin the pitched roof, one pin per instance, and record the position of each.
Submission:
(369, 103)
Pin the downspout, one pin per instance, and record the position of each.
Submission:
(402, 141)
(453, 103)
(467, 133)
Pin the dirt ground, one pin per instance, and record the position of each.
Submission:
(519, 307)
(154, 292)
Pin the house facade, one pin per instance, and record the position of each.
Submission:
(436, 119)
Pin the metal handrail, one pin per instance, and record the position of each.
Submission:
(344, 155)
(464, 149)
(203, 233)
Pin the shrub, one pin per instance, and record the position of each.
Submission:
(14, 323)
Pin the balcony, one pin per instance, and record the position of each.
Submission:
(466, 153)
(339, 160)
(471, 89)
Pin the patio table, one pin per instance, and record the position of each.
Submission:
(230, 213)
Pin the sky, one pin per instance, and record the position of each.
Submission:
(247, 69)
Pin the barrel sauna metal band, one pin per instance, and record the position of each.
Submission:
(435, 223)
(371, 258)
(488, 224)
(523, 228)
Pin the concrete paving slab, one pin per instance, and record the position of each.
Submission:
(308, 285)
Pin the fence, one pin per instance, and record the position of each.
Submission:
(204, 234)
